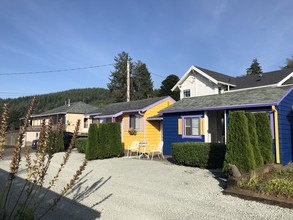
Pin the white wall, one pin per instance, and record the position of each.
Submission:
(198, 85)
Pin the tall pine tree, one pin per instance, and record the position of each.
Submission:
(167, 85)
(254, 68)
(142, 85)
(118, 78)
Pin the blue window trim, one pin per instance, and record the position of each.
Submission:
(183, 126)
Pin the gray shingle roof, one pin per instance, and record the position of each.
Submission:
(76, 107)
(258, 96)
(115, 108)
(219, 76)
(269, 78)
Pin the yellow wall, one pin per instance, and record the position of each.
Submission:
(150, 130)
(72, 118)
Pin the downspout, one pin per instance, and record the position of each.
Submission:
(277, 145)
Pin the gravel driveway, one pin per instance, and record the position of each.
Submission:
(124, 188)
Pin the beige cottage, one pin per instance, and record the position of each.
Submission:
(68, 113)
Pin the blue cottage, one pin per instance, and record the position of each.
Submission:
(205, 118)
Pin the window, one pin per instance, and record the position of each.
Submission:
(191, 126)
(186, 93)
(134, 122)
(85, 122)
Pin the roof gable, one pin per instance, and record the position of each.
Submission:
(116, 109)
(242, 98)
(76, 107)
(213, 76)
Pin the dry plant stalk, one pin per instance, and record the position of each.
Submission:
(36, 173)
(3, 128)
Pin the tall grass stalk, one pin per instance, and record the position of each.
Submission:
(24, 203)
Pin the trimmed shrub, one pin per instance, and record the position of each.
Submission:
(254, 139)
(114, 131)
(80, 144)
(198, 154)
(263, 130)
(239, 151)
(60, 141)
(110, 141)
(59, 145)
(92, 142)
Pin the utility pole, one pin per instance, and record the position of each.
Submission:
(128, 82)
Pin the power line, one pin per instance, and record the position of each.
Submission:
(54, 71)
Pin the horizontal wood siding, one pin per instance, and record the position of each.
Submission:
(127, 138)
(170, 131)
(286, 129)
(152, 128)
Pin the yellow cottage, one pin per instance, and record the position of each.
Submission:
(140, 120)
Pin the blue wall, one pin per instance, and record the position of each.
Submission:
(170, 131)
(286, 128)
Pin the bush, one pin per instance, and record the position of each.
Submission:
(92, 142)
(198, 154)
(60, 141)
(264, 137)
(110, 141)
(58, 137)
(239, 150)
(80, 144)
(254, 139)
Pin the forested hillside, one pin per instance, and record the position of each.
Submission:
(19, 106)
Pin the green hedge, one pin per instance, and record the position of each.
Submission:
(80, 144)
(254, 139)
(198, 154)
(92, 142)
(110, 144)
(239, 149)
(264, 137)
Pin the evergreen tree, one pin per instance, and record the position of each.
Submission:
(264, 137)
(142, 85)
(59, 141)
(254, 68)
(289, 63)
(92, 142)
(254, 139)
(118, 78)
(238, 151)
(167, 85)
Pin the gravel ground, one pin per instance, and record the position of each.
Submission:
(124, 188)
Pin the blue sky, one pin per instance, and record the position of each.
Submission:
(168, 35)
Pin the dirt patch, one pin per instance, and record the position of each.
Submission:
(233, 190)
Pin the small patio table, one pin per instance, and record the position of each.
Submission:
(143, 144)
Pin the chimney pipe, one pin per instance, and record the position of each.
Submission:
(68, 102)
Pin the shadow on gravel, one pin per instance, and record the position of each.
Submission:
(80, 194)
(217, 173)
(66, 208)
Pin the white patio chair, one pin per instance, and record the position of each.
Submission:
(133, 148)
(157, 149)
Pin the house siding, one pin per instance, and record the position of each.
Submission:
(285, 116)
(198, 85)
(170, 131)
(150, 131)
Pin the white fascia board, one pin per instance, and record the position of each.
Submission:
(183, 78)
(285, 79)
(205, 75)
(228, 84)
(186, 74)
(256, 87)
